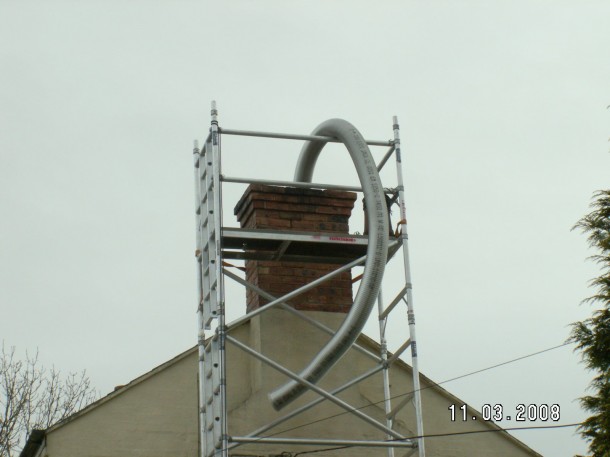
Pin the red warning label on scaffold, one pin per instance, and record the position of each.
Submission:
(342, 238)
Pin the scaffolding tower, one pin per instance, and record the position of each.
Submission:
(215, 243)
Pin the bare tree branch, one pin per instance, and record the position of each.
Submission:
(32, 397)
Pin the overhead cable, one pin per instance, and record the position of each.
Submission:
(438, 435)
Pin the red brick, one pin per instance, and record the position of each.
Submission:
(269, 222)
(285, 208)
(333, 210)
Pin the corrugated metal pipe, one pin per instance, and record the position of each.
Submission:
(376, 213)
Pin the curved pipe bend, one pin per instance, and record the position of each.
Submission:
(377, 250)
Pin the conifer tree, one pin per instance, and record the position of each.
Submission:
(592, 336)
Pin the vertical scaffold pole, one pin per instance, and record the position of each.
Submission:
(386, 375)
(407, 269)
(221, 329)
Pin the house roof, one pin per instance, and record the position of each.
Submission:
(35, 440)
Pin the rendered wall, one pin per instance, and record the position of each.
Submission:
(157, 417)
(286, 338)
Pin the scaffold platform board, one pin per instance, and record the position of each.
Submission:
(289, 246)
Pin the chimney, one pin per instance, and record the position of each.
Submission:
(295, 209)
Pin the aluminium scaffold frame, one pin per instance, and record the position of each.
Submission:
(216, 242)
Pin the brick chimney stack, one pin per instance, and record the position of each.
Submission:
(294, 209)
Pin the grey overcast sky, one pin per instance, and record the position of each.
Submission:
(503, 116)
